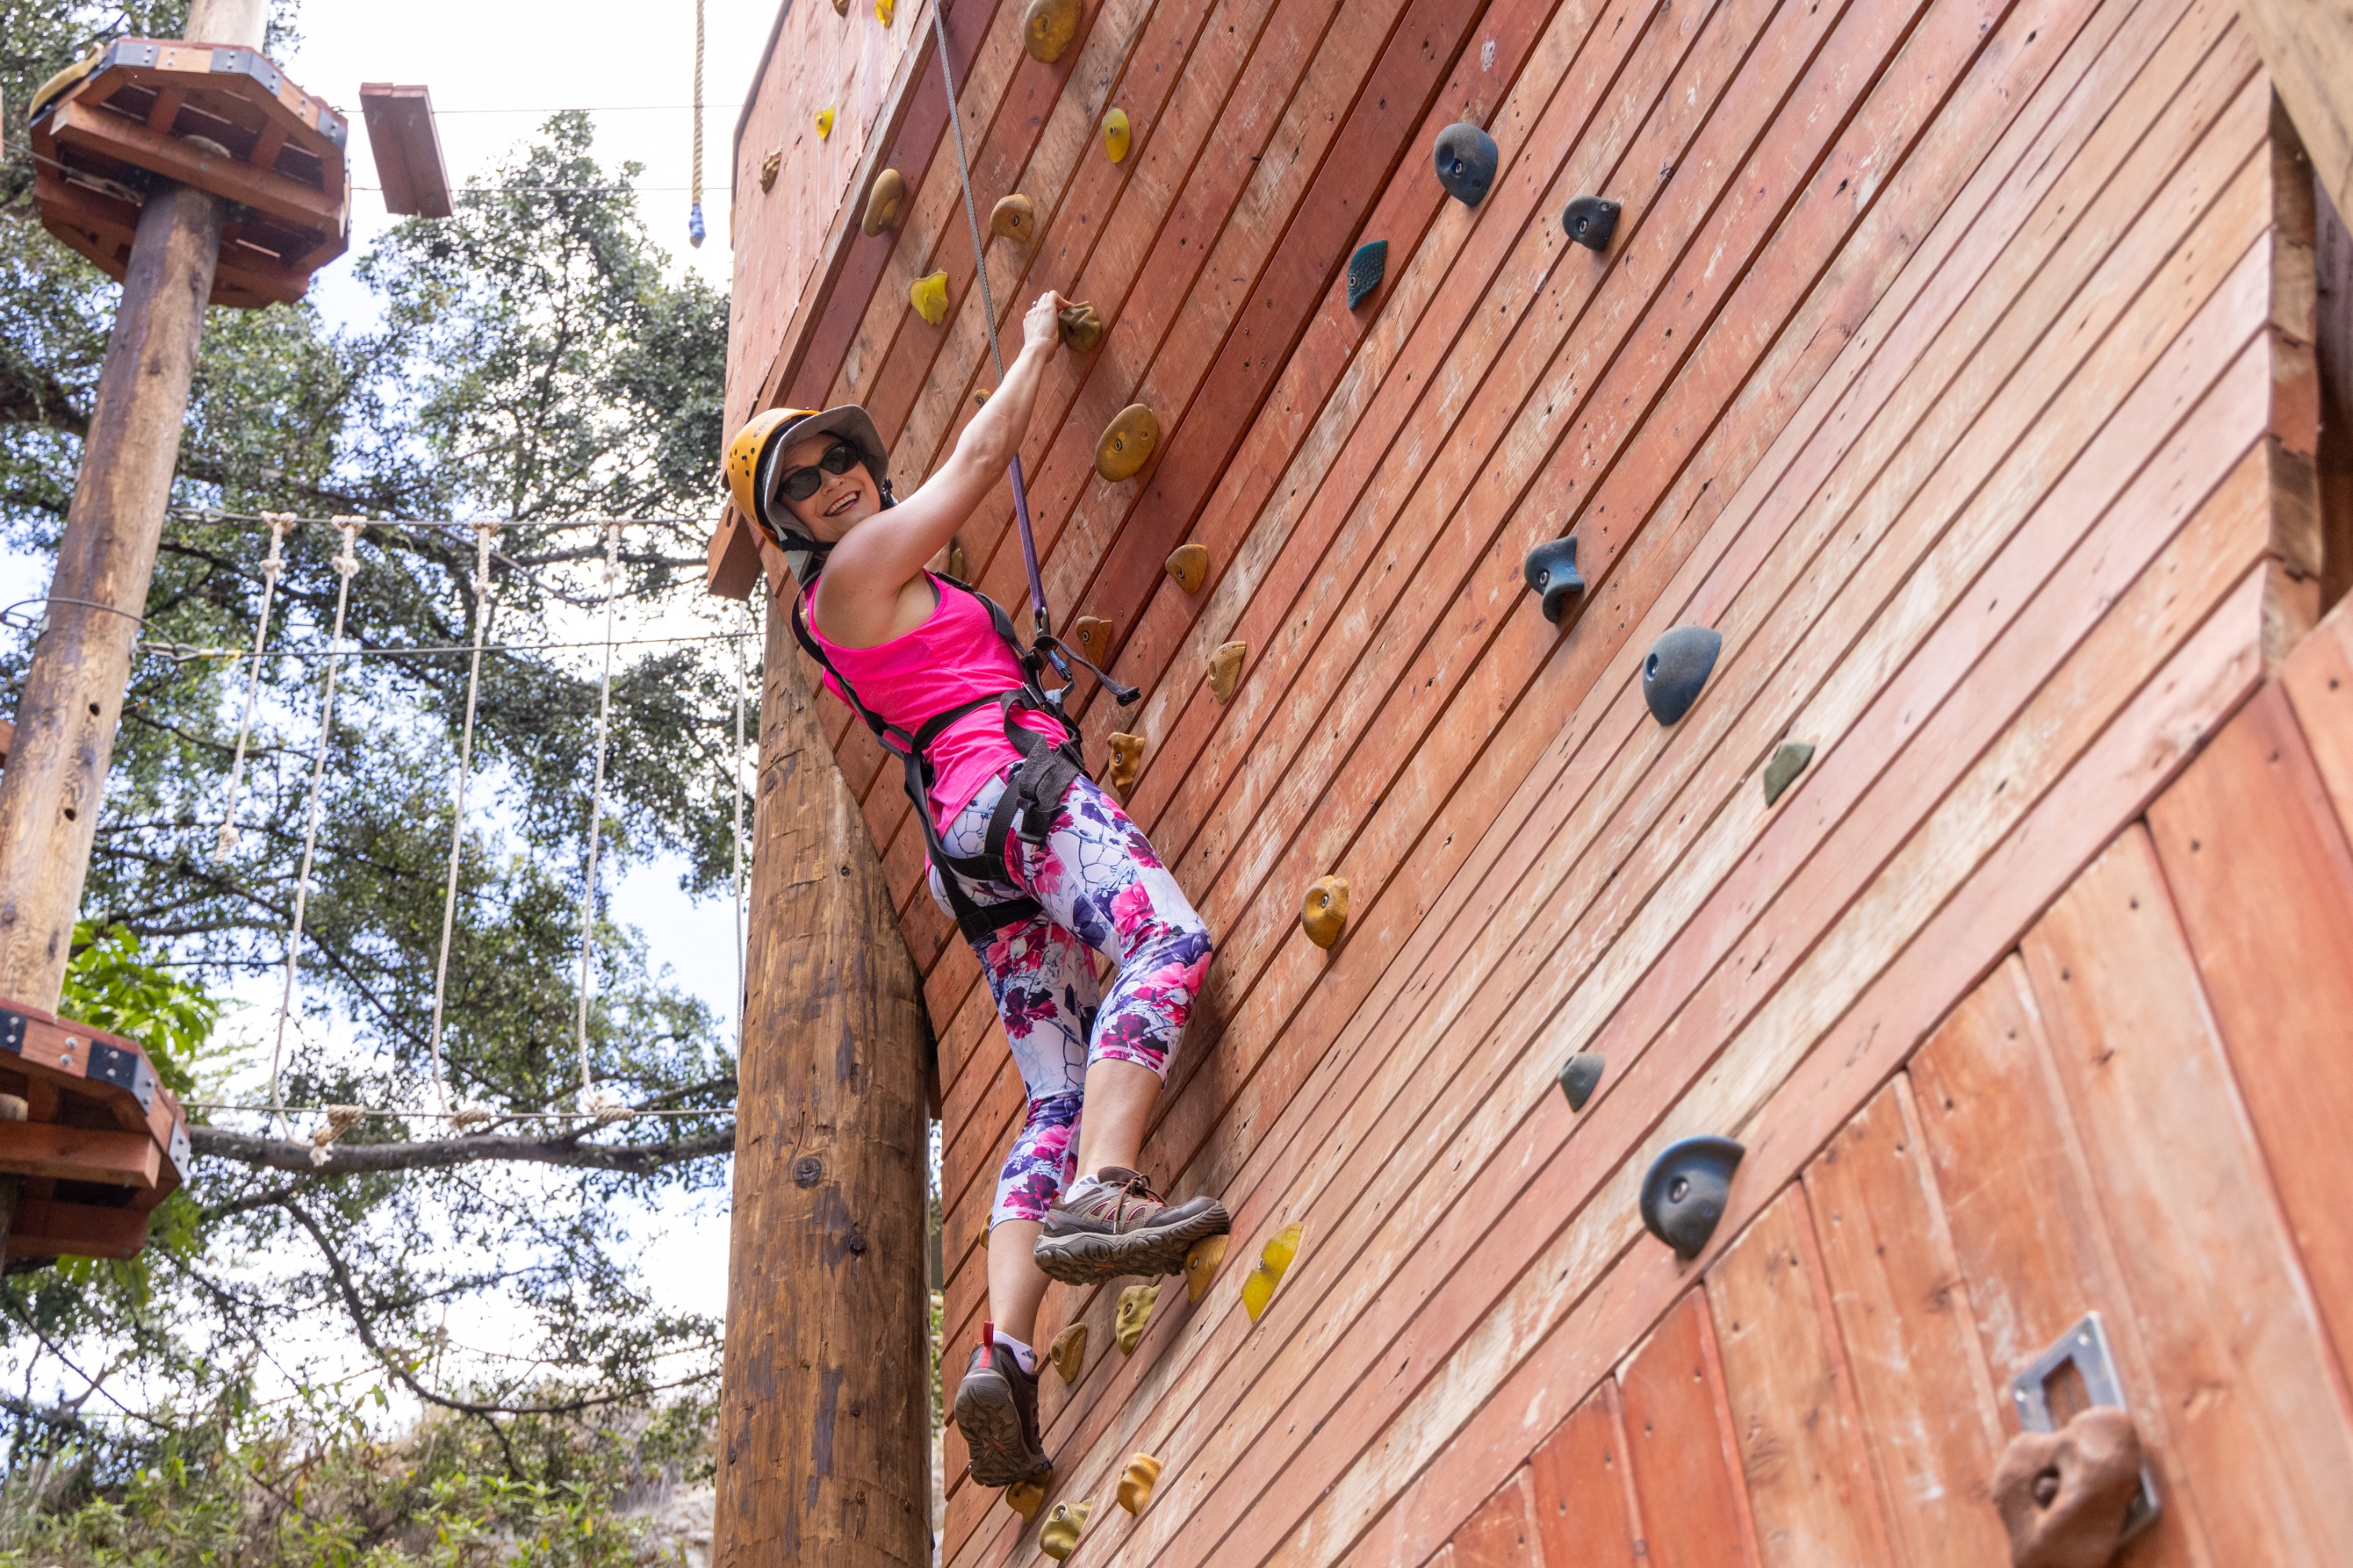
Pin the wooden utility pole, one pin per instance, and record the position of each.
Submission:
(72, 701)
(825, 1403)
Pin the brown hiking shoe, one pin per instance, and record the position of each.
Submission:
(997, 1410)
(1120, 1226)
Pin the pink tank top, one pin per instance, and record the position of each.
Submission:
(953, 657)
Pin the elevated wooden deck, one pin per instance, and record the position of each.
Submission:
(1954, 360)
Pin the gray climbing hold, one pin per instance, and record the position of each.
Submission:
(1366, 270)
(1551, 570)
(1466, 161)
(1790, 760)
(1677, 667)
(1590, 221)
(1580, 1076)
(1686, 1191)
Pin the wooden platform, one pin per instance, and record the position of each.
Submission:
(1953, 359)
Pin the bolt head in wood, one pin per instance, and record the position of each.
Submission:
(1117, 134)
(1013, 217)
(1127, 443)
(1324, 913)
(1079, 327)
(1790, 760)
(1366, 270)
(1047, 27)
(1551, 573)
(1188, 567)
(1467, 159)
(1686, 1190)
(1580, 1076)
(1068, 1352)
(1135, 1483)
(1590, 221)
(1226, 669)
(1134, 1315)
(929, 297)
(885, 203)
(1676, 668)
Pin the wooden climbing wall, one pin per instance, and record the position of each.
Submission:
(1953, 359)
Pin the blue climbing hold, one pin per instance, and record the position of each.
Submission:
(1590, 221)
(1466, 161)
(1687, 1190)
(1552, 572)
(1366, 270)
(1678, 666)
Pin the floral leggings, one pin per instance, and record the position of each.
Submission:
(1103, 888)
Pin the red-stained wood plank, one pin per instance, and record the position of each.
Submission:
(2258, 866)
(2240, 1354)
(1785, 1377)
(1580, 1489)
(2027, 1237)
(1929, 1419)
(2319, 681)
(1680, 1446)
(1502, 1533)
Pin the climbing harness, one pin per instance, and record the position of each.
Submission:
(484, 535)
(346, 564)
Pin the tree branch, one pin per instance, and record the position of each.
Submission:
(443, 1153)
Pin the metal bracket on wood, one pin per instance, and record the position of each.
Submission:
(2084, 1347)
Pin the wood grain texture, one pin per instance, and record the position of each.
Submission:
(2257, 864)
(2308, 47)
(1580, 1488)
(1502, 1533)
(1682, 1451)
(2319, 682)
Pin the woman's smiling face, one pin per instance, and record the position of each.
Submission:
(842, 501)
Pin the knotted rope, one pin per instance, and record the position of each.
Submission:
(271, 564)
(485, 535)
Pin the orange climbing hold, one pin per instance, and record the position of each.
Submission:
(1126, 762)
(1135, 1484)
(1189, 566)
(1127, 443)
(1324, 913)
(1068, 1352)
(1226, 669)
(1201, 1265)
(1015, 218)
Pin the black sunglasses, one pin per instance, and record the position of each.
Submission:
(803, 483)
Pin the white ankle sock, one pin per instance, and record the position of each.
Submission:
(1083, 1184)
(1021, 1352)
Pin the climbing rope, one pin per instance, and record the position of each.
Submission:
(601, 1105)
(988, 317)
(694, 210)
(484, 533)
(346, 564)
(271, 564)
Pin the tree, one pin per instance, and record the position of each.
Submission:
(531, 363)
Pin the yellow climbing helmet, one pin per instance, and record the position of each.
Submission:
(752, 456)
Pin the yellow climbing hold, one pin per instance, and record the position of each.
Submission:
(1259, 1289)
(1014, 219)
(1060, 1536)
(1117, 134)
(1324, 913)
(1126, 443)
(825, 122)
(884, 10)
(1068, 1352)
(1126, 762)
(1025, 1497)
(1226, 669)
(1201, 1265)
(929, 297)
(884, 202)
(1047, 27)
(1189, 566)
(1135, 1485)
(1134, 1312)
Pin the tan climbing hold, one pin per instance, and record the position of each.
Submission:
(1081, 329)
(825, 122)
(1226, 669)
(1126, 762)
(884, 202)
(1025, 1497)
(768, 167)
(1259, 1289)
(1068, 1352)
(1058, 1537)
(1201, 1265)
(1136, 1483)
(1127, 442)
(1117, 135)
(1190, 566)
(929, 297)
(1091, 635)
(959, 566)
(1324, 913)
(1047, 27)
(841, 7)
(1134, 1312)
(1015, 219)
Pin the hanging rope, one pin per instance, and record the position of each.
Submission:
(484, 533)
(271, 564)
(603, 1106)
(346, 564)
(694, 212)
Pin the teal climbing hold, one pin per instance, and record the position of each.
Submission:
(1466, 161)
(1676, 668)
(1366, 270)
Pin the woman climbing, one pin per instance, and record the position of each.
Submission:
(1037, 864)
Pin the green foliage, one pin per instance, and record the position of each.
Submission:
(116, 983)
